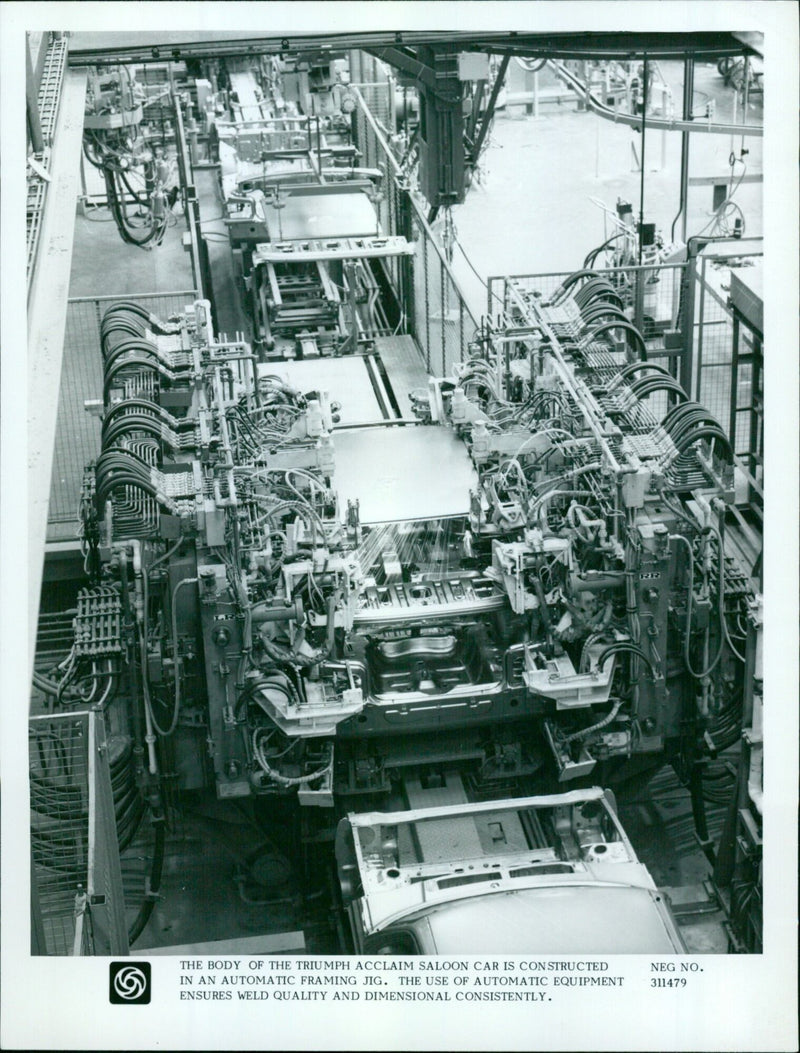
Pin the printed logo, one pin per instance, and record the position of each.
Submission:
(129, 984)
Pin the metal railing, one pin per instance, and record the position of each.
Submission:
(434, 307)
(78, 432)
(78, 903)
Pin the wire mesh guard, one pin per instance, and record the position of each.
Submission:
(59, 823)
(76, 887)
(653, 295)
(713, 353)
(675, 306)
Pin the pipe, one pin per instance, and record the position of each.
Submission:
(654, 122)
(610, 580)
(699, 813)
(175, 669)
(263, 612)
(330, 629)
(136, 548)
(688, 95)
(641, 181)
(136, 714)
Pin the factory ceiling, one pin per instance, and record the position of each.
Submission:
(98, 48)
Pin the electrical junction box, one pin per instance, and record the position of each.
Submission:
(473, 65)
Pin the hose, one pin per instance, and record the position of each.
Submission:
(567, 284)
(632, 335)
(127, 346)
(595, 289)
(597, 311)
(689, 603)
(141, 362)
(699, 813)
(721, 573)
(596, 727)
(592, 256)
(706, 432)
(623, 646)
(644, 386)
(177, 679)
(282, 780)
(641, 367)
(156, 870)
(119, 214)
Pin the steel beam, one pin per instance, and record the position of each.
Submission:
(688, 107)
(32, 102)
(407, 63)
(47, 316)
(490, 105)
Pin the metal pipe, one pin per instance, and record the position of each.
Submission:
(641, 180)
(655, 122)
(191, 205)
(688, 96)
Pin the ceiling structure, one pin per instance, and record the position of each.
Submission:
(156, 46)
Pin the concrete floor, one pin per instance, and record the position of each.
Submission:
(103, 265)
(211, 889)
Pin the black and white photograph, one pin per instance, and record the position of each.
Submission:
(386, 610)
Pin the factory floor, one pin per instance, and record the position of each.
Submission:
(212, 890)
(545, 168)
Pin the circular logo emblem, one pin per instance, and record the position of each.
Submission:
(130, 983)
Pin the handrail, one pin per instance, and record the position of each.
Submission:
(133, 296)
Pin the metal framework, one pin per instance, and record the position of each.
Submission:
(139, 47)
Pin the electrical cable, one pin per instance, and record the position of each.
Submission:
(632, 335)
(624, 647)
(154, 884)
(610, 716)
(282, 780)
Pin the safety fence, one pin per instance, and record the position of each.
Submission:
(433, 305)
(78, 432)
(726, 376)
(77, 901)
